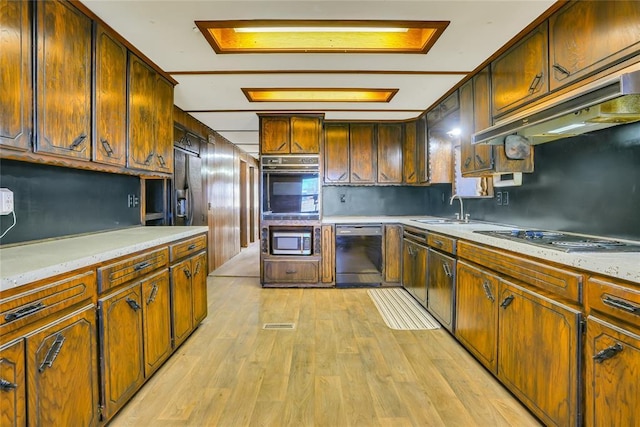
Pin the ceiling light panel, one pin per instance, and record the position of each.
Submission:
(318, 95)
(292, 36)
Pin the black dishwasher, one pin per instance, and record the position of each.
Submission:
(358, 255)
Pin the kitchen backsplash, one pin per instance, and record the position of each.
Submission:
(53, 201)
(360, 200)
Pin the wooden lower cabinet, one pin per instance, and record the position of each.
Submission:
(441, 288)
(156, 318)
(414, 270)
(13, 409)
(477, 313)
(189, 295)
(392, 254)
(612, 367)
(290, 271)
(122, 342)
(328, 263)
(538, 353)
(62, 375)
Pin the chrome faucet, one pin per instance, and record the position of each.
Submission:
(460, 215)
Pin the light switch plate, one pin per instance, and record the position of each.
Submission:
(6, 201)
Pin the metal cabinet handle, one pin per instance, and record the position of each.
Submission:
(622, 305)
(133, 304)
(356, 176)
(480, 160)
(385, 177)
(281, 146)
(561, 69)
(447, 270)
(154, 293)
(608, 353)
(107, 147)
(191, 247)
(535, 82)
(7, 385)
(487, 291)
(341, 177)
(438, 243)
(76, 142)
(197, 269)
(187, 273)
(291, 272)
(300, 147)
(467, 162)
(411, 175)
(24, 311)
(161, 160)
(52, 354)
(148, 159)
(141, 266)
(507, 301)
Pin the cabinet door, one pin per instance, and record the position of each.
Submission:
(336, 153)
(122, 347)
(467, 149)
(163, 118)
(612, 360)
(389, 153)
(409, 154)
(328, 254)
(63, 80)
(477, 313)
(199, 284)
(414, 270)
(274, 135)
(156, 314)
(392, 253)
(362, 154)
(12, 385)
(422, 145)
(289, 271)
(142, 82)
(539, 341)
(408, 255)
(305, 135)
(482, 154)
(62, 372)
(15, 62)
(111, 100)
(520, 74)
(441, 290)
(181, 300)
(587, 36)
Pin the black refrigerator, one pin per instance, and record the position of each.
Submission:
(187, 195)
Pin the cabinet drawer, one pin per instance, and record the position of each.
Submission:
(188, 247)
(128, 269)
(443, 243)
(285, 271)
(28, 307)
(613, 299)
(564, 283)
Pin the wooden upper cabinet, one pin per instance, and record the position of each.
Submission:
(274, 135)
(467, 149)
(111, 100)
(150, 118)
(409, 154)
(483, 154)
(423, 153)
(290, 135)
(362, 153)
(305, 135)
(389, 153)
(587, 36)
(520, 74)
(336, 153)
(63, 80)
(15, 63)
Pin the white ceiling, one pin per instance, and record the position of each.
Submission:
(165, 32)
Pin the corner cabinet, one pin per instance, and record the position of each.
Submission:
(15, 57)
(150, 119)
(588, 36)
(290, 135)
(63, 45)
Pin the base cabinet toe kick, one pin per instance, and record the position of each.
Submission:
(71, 332)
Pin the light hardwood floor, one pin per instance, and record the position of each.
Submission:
(340, 366)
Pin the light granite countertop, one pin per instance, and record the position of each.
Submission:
(622, 265)
(27, 263)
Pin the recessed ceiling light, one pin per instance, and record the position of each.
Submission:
(318, 95)
(317, 36)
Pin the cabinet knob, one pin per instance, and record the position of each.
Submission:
(52, 354)
(507, 301)
(608, 353)
(133, 304)
(7, 385)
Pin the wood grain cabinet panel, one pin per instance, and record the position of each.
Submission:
(15, 63)
(538, 341)
(110, 144)
(612, 363)
(163, 125)
(392, 253)
(189, 295)
(305, 135)
(275, 135)
(62, 372)
(441, 288)
(63, 80)
(389, 159)
(328, 254)
(13, 396)
(336, 153)
(290, 135)
(121, 347)
(362, 153)
(520, 75)
(410, 154)
(414, 269)
(588, 36)
(156, 315)
(290, 271)
(477, 313)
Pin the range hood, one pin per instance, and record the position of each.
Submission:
(607, 102)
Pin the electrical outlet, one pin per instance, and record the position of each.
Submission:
(6, 201)
(132, 201)
(505, 198)
(499, 197)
